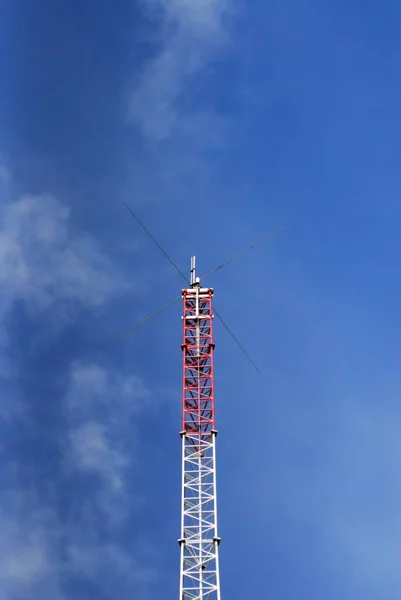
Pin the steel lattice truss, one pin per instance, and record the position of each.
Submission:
(199, 542)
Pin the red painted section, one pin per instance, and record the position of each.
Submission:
(197, 351)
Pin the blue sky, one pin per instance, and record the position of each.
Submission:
(218, 121)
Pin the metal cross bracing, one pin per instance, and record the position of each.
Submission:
(199, 542)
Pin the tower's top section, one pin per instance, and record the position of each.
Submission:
(195, 281)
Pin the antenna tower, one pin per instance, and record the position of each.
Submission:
(199, 542)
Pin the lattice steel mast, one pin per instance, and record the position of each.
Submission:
(199, 541)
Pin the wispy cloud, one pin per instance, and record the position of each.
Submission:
(192, 31)
(103, 436)
(93, 452)
(39, 553)
(43, 261)
(47, 266)
(124, 569)
(27, 549)
(40, 549)
(103, 442)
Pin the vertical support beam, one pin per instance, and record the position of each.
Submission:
(199, 542)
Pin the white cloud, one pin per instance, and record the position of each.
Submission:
(193, 31)
(42, 261)
(92, 386)
(93, 452)
(32, 566)
(109, 558)
(202, 18)
(102, 435)
(46, 266)
(103, 442)
(38, 548)
(27, 559)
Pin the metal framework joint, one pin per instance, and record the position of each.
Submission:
(199, 542)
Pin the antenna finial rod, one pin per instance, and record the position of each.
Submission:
(193, 280)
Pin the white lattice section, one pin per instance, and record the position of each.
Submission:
(199, 541)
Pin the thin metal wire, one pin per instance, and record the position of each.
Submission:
(153, 314)
(156, 242)
(146, 230)
(239, 254)
(235, 338)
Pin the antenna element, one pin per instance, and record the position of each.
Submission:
(194, 281)
(193, 271)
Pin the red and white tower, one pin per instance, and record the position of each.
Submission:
(199, 541)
